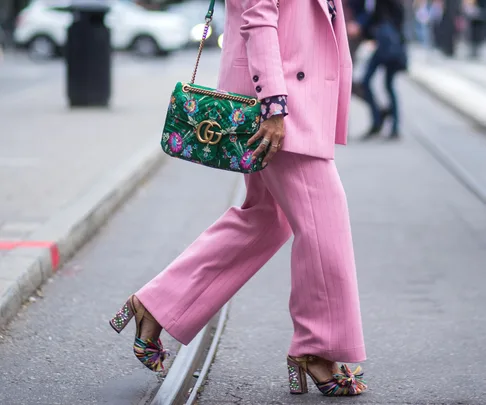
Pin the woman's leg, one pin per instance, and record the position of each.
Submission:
(390, 88)
(373, 64)
(476, 36)
(324, 302)
(187, 294)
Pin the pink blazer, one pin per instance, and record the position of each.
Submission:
(292, 50)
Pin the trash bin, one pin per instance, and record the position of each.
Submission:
(88, 55)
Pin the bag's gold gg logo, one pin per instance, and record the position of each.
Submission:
(206, 131)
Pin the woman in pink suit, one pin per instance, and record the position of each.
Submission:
(293, 56)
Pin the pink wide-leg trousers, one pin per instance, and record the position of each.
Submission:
(295, 194)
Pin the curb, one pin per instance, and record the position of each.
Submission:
(25, 268)
(460, 94)
(180, 377)
(194, 396)
(181, 385)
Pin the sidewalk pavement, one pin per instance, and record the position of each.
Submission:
(459, 82)
(63, 172)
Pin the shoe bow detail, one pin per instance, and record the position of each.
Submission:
(344, 383)
(150, 353)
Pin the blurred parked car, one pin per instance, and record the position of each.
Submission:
(42, 29)
(195, 12)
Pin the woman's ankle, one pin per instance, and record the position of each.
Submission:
(149, 327)
(322, 369)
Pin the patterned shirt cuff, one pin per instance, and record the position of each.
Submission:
(275, 105)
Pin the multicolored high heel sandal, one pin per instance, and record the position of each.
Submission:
(346, 383)
(150, 352)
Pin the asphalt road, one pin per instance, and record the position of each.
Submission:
(60, 350)
(420, 239)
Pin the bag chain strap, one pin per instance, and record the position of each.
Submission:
(186, 88)
(209, 18)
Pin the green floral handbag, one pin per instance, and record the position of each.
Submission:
(211, 127)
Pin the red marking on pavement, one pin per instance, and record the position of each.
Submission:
(35, 244)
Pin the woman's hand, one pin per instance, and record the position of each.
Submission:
(272, 131)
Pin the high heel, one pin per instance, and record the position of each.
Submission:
(123, 316)
(151, 353)
(297, 377)
(345, 383)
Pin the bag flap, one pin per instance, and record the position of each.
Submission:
(232, 116)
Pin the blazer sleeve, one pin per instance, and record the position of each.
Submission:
(259, 30)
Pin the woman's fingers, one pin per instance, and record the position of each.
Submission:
(256, 137)
(272, 134)
(261, 148)
(274, 147)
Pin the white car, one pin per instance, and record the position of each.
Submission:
(42, 28)
(195, 11)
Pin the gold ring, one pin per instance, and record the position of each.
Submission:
(275, 145)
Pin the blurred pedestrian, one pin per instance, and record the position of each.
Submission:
(436, 14)
(356, 12)
(267, 54)
(475, 13)
(423, 22)
(353, 11)
(386, 25)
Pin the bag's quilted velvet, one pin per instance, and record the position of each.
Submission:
(238, 122)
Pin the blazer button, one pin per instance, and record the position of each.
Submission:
(300, 75)
(255, 78)
(258, 89)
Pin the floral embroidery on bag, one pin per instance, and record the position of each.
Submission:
(207, 151)
(237, 117)
(191, 107)
(187, 152)
(246, 160)
(175, 142)
(234, 163)
(238, 121)
(214, 114)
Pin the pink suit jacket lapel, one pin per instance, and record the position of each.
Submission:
(325, 9)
